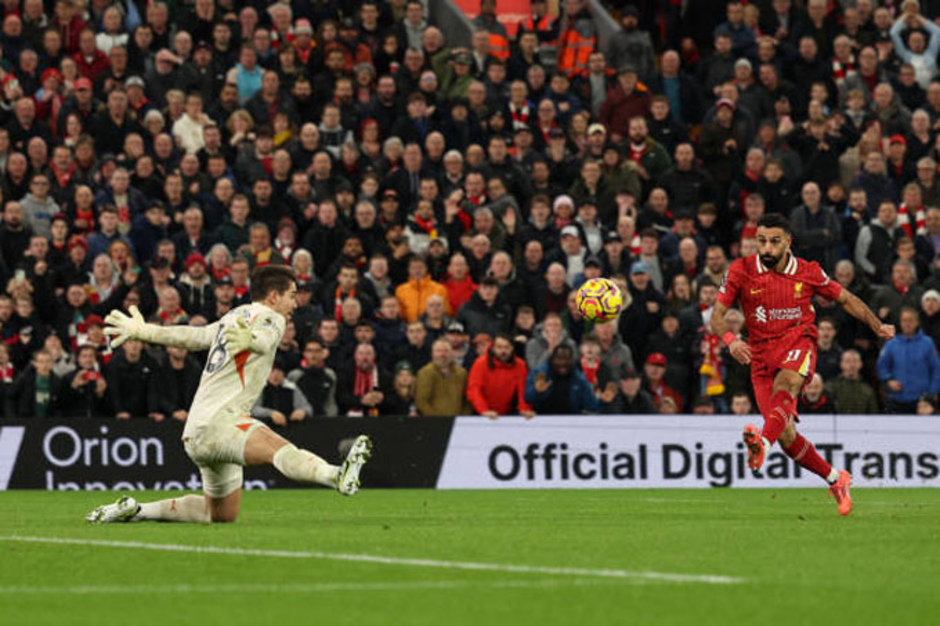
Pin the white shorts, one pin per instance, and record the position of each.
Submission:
(218, 449)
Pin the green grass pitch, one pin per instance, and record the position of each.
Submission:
(792, 559)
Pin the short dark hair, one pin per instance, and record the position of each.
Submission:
(268, 278)
(775, 220)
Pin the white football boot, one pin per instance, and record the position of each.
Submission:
(123, 510)
(347, 479)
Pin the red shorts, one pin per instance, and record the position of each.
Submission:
(797, 354)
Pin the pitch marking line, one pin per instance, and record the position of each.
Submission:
(669, 577)
(302, 588)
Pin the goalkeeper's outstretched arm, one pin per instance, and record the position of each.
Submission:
(123, 327)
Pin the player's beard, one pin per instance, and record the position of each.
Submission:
(769, 261)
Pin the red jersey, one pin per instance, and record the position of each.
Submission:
(776, 304)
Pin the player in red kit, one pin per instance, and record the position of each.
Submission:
(776, 290)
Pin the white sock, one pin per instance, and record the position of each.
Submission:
(305, 467)
(767, 444)
(190, 508)
(833, 476)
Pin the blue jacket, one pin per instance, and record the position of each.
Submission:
(581, 397)
(914, 362)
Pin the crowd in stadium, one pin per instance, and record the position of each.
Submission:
(441, 205)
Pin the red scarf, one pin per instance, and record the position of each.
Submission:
(840, 72)
(590, 371)
(365, 382)
(637, 153)
(339, 302)
(6, 373)
(901, 288)
(428, 226)
(635, 245)
(520, 116)
(904, 220)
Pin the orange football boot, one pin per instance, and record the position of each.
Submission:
(840, 491)
(755, 446)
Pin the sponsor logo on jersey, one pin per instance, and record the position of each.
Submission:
(762, 315)
(793, 313)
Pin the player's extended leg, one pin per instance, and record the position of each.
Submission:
(266, 447)
(191, 508)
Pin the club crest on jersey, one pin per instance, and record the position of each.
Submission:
(798, 290)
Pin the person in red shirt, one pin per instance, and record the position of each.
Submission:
(496, 384)
(776, 290)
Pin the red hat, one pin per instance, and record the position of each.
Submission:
(897, 139)
(83, 83)
(9, 78)
(656, 358)
(725, 102)
(51, 73)
(93, 320)
(195, 257)
(77, 241)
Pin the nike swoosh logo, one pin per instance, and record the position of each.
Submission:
(756, 291)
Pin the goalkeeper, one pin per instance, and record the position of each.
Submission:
(219, 436)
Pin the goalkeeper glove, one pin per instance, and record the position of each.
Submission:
(238, 336)
(123, 327)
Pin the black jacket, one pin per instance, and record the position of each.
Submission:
(21, 396)
(477, 317)
(171, 389)
(128, 382)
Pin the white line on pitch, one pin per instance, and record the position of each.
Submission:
(389, 560)
(291, 588)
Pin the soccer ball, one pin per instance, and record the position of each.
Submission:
(599, 300)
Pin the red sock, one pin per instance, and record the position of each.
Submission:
(804, 453)
(777, 418)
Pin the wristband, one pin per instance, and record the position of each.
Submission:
(729, 338)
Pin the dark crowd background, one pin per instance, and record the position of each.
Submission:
(441, 205)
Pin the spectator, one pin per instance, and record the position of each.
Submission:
(875, 242)
(496, 383)
(628, 100)
(655, 369)
(413, 295)
(816, 230)
(315, 380)
(631, 45)
(558, 388)
(484, 313)
(546, 337)
(828, 351)
(128, 372)
(850, 394)
(631, 398)
(401, 400)
(741, 404)
(815, 398)
(908, 366)
(902, 292)
(36, 392)
(281, 401)
(173, 385)
(362, 386)
(441, 385)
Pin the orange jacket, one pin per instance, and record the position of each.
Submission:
(413, 297)
(501, 389)
(575, 48)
